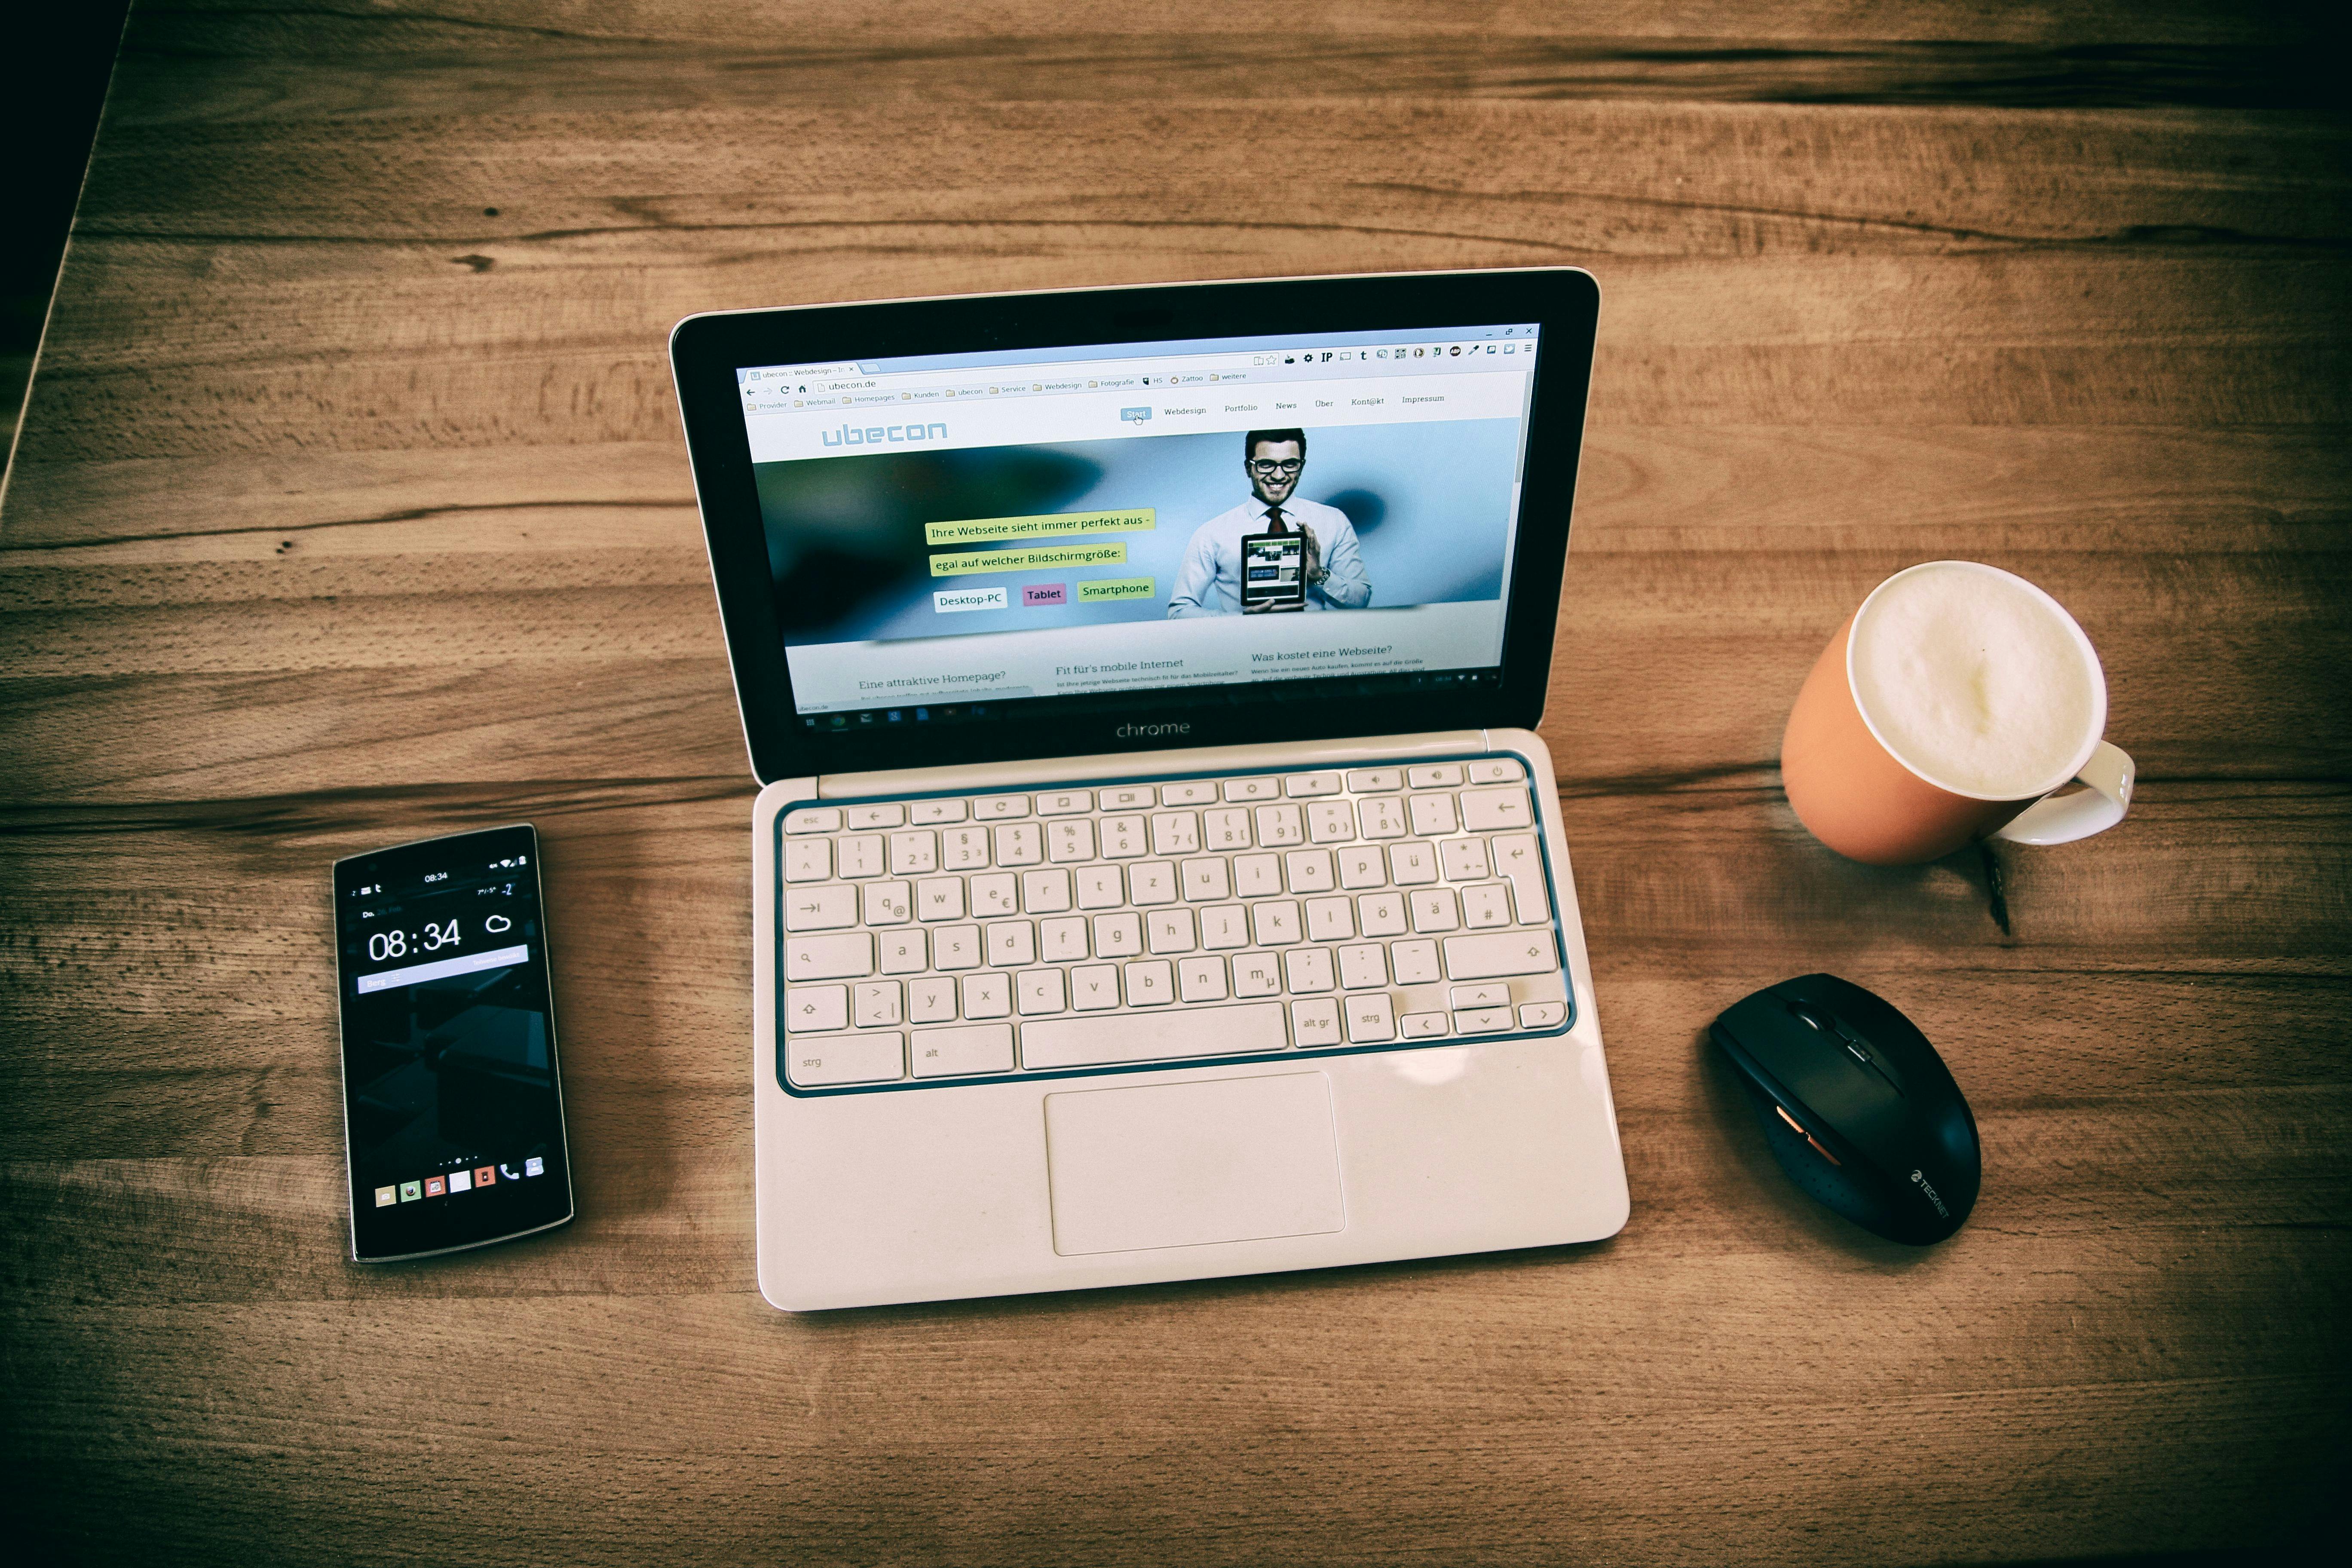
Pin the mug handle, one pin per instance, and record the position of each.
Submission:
(2062, 819)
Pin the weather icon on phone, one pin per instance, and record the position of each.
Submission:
(497, 924)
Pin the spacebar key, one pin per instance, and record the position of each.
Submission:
(1147, 1036)
(1503, 953)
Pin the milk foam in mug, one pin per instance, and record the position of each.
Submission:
(1947, 707)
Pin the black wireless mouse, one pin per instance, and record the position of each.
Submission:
(1857, 1105)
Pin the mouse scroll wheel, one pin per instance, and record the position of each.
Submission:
(1806, 1016)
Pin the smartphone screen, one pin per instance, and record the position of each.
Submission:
(453, 1113)
(1274, 569)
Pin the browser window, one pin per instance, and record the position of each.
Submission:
(949, 533)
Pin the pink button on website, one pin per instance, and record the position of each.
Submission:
(1044, 594)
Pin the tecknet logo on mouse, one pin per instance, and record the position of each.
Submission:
(1130, 732)
(1928, 1187)
(882, 435)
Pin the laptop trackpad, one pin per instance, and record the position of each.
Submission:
(1181, 1165)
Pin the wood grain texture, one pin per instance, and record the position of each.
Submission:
(349, 506)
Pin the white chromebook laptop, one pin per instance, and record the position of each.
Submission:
(1156, 875)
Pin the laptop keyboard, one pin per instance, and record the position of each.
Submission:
(948, 938)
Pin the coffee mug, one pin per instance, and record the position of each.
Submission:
(1949, 707)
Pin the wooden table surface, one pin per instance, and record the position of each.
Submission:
(350, 506)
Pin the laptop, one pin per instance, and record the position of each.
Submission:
(1155, 872)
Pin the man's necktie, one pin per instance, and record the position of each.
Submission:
(1274, 517)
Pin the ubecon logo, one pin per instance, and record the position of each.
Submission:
(882, 435)
(1132, 731)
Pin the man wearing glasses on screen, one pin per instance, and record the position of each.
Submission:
(1209, 581)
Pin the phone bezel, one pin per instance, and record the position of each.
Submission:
(706, 350)
(513, 1221)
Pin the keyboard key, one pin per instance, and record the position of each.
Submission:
(891, 815)
(1127, 797)
(1314, 1022)
(1192, 792)
(1489, 810)
(1413, 862)
(812, 1009)
(1274, 922)
(952, 1053)
(906, 951)
(935, 811)
(888, 903)
(1092, 988)
(939, 899)
(1257, 974)
(1012, 944)
(1259, 788)
(1381, 817)
(1433, 909)
(1519, 859)
(1245, 1030)
(1223, 926)
(1331, 919)
(963, 848)
(874, 1002)
(1363, 966)
(1020, 844)
(913, 854)
(1000, 807)
(1064, 802)
(814, 819)
(1309, 870)
(1363, 781)
(987, 996)
(931, 1000)
(1257, 876)
(828, 908)
(1483, 1020)
(956, 947)
(1381, 914)
(849, 955)
(995, 895)
(1541, 1014)
(1069, 841)
(1371, 1018)
(1227, 828)
(1123, 838)
(1421, 1025)
(1279, 825)
(808, 860)
(1045, 892)
(1176, 833)
(845, 1058)
(1205, 879)
(1499, 954)
(1038, 991)
(1487, 904)
(1465, 860)
(1170, 931)
(1306, 969)
(1330, 822)
(1101, 888)
(1413, 962)
(1434, 777)
(1150, 983)
(1200, 979)
(861, 855)
(1463, 996)
(1062, 941)
(1118, 936)
(1151, 882)
(1362, 866)
(1496, 770)
(1300, 785)
(1432, 816)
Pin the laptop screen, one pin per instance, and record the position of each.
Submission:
(953, 535)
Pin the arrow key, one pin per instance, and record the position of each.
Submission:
(827, 908)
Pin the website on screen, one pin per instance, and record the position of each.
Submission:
(963, 531)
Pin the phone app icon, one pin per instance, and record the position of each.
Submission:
(485, 1174)
(435, 1186)
(411, 1191)
(534, 1166)
(508, 1174)
(461, 1181)
(385, 1198)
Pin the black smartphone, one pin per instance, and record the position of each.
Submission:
(453, 1108)
(1274, 569)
